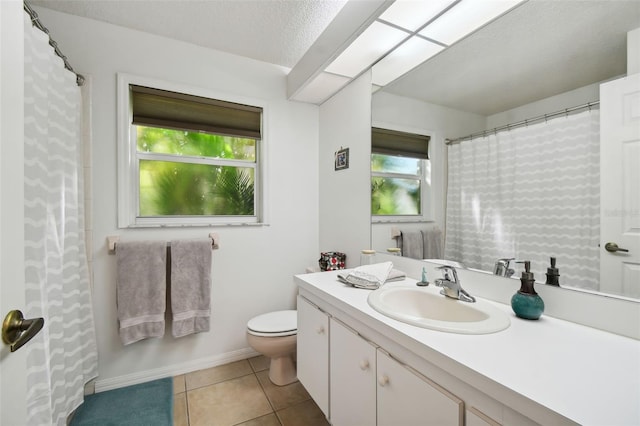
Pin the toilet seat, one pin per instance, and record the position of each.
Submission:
(274, 324)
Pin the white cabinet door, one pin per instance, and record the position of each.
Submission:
(407, 398)
(352, 381)
(475, 417)
(313, 352)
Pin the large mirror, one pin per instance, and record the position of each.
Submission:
(542, 57)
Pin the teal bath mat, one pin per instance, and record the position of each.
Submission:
(145, 404)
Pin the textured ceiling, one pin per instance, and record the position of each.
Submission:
(539, 49)
(273, 31)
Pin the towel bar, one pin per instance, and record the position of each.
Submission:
(112, 241)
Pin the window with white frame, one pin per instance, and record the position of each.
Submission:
(400, 175)
(187, 159)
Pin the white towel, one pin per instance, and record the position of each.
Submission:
(141, 289)
(367, 276)
(190, 286)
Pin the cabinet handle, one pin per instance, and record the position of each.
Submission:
(383, 380)
(364, 365)
(320, 330)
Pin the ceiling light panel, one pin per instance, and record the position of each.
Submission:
(464, 18)
(371, 45)
(403, 59)
(412, 14)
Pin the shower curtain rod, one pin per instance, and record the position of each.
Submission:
(526, 122)
(36, 22)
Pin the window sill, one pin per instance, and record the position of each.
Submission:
(413, 220)
(196, 225)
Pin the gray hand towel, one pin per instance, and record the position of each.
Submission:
(190, 286)
(432, 243)
(141, 289)
(412, 244)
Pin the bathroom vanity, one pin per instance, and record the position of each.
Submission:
(364, 368)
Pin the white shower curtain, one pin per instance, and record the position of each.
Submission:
(530, 193)
(63, 357)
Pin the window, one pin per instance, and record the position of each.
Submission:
(186, 159)
(400, 171)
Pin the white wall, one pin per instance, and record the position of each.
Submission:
(579, 96)
(633, 51)
(13, 366)
(345, 122)
(252, 270)
(441, 123)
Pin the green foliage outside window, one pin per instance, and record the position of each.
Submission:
(395, 185)
(199, 182)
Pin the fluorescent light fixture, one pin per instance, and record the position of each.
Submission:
(464, 18)
(321, 88)
(371, 45)
(412, 14)
(406, 57)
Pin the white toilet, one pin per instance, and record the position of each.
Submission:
(274, 335)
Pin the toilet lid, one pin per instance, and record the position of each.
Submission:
(275, 322)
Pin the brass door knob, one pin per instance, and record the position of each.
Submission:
(16, 331)
(613, 248)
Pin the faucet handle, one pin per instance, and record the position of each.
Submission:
(450, 267)
(446, 269)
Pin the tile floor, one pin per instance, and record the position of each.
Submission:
(240, 393)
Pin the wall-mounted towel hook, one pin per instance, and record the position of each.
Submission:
(111, 243)
(215, 240)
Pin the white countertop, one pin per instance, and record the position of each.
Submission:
(586, 375)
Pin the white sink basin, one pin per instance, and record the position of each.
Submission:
(427, 308)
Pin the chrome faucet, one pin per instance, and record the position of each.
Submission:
(451, 285)
(501, 267)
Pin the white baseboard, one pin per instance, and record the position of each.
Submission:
(173, 370)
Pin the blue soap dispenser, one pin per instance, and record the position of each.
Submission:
(526, 303)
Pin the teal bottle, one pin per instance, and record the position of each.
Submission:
(526, 303)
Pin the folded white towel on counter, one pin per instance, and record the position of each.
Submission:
(371, 276)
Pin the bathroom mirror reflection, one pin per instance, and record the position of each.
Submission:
(541, 57)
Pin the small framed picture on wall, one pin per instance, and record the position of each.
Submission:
(342, 159)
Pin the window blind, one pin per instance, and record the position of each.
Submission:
(161, 108)
(393, 142)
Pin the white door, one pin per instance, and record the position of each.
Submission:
(12, 364)
(620, 186)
